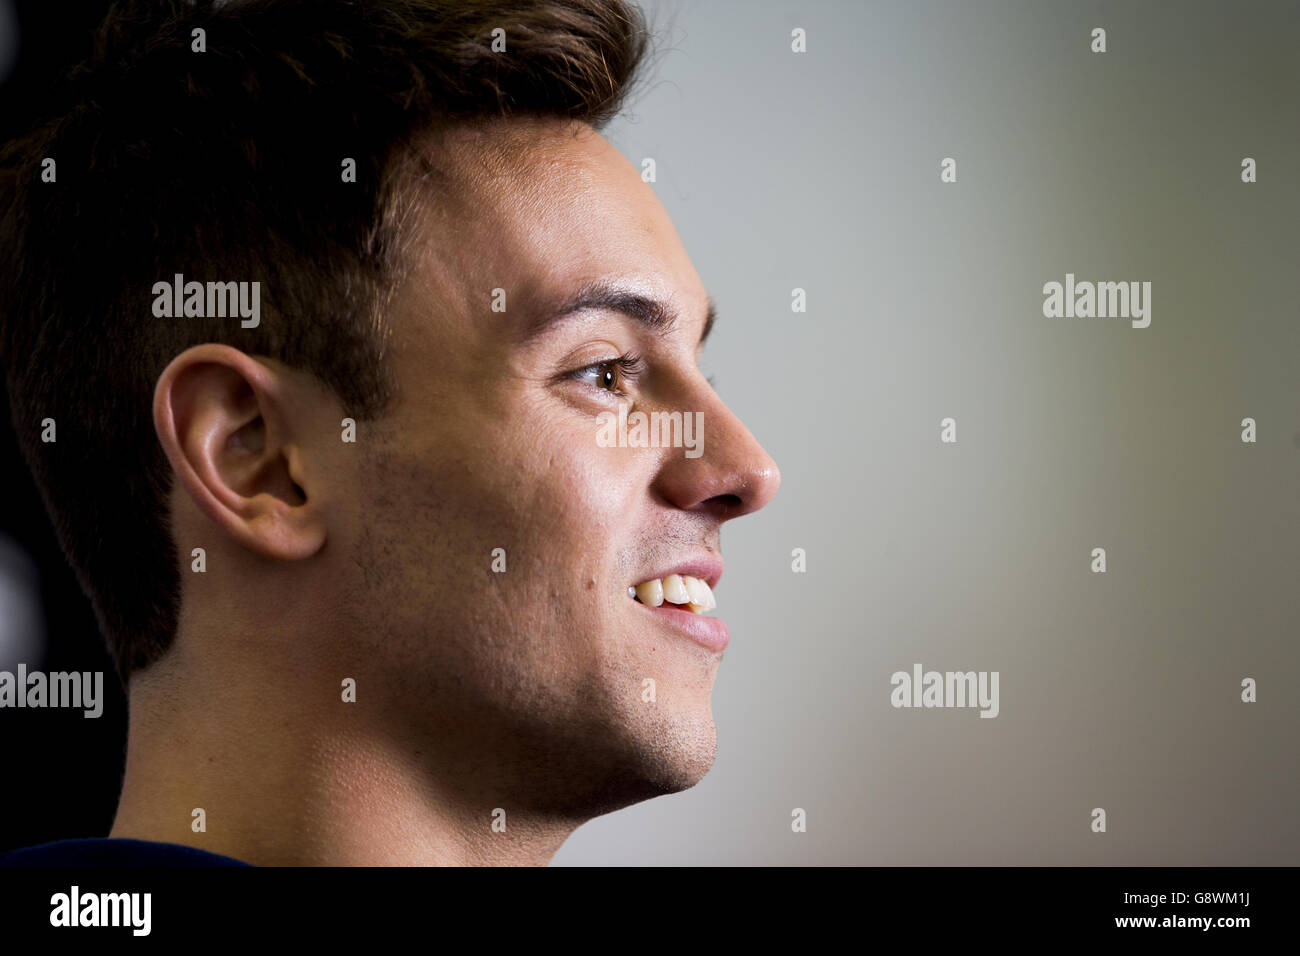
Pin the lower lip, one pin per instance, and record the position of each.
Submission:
(708, 632)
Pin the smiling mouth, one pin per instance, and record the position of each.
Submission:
(679, 590)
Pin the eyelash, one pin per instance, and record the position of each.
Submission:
(629, 367)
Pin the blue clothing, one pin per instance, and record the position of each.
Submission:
(114, 852)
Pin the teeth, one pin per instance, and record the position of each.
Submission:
(675, 590)
(651, 593)
(697, 591)
(679, 589)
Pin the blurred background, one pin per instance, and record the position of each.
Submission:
(821, 171)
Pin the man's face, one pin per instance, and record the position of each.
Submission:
(545, 678)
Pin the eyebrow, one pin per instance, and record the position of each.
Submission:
(656, 315)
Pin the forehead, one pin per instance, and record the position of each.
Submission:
(542, 207)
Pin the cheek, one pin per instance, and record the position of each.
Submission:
(573, 496)
(535, 483)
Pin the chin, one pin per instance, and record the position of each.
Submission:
(686, 773)
(681, 753)
(657, 755)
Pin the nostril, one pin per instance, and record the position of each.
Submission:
(727, 505)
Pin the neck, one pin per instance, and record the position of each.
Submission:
(283, 780)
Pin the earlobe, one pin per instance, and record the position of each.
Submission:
(230, 440)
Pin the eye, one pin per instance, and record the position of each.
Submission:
(611, 375)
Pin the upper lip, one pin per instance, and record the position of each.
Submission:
(705, 567)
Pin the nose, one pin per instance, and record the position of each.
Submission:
(732, 475)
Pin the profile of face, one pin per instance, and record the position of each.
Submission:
(534, 658)
(473, 551)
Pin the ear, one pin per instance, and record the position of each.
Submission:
(224, 423)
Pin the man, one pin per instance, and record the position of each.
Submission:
(382, 588)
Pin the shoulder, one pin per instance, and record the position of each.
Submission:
(114, 852)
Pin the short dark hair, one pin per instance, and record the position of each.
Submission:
(227, 165)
